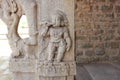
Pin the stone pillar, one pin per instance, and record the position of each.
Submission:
(50, 68)
(48, 54)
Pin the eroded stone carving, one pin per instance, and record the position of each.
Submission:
(56, 69)
(53, 39)
(19, 65)
(58, 33)
(10, 13)
(19, 7)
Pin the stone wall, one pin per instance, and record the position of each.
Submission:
(97, 29)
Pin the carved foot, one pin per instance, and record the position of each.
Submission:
(49, 61)
(29, 57)
(15, 54)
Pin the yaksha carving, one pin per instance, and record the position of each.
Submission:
(58, 33)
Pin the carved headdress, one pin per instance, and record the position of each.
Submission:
(62, 16)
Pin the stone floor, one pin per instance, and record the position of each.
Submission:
(101, 71)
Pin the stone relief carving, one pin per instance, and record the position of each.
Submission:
(56, 69)
(10, 13)
(53, 37)
(58, 33)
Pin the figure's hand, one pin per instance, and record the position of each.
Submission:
(45, 24)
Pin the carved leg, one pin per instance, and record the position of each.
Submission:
(13, 28)
(51, 52)
(61, 51)
(29, 51)
(30, 8)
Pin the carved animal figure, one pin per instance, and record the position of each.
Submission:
(19, 48)
(10, 13)
(21, 7)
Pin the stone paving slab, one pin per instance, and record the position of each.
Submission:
(82, 73)
(117, 65)
(103, 71)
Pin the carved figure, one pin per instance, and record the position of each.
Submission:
(51, 44)
(9, 14)
(19, 49)
(59, 36)
(21, 7)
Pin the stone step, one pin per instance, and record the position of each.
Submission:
(101, 71)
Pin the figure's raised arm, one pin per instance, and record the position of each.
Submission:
(45, 28)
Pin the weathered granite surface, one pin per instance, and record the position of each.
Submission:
(48, 52)
(99, 71)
